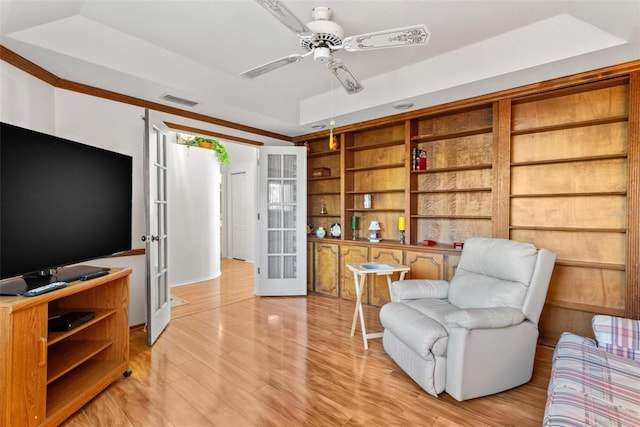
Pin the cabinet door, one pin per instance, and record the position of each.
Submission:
(310, 266)
(378, 286)
(349, 255)
(27, 386)
(326, 269)
(424, 265)
(451, 263)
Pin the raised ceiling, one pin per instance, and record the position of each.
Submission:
(196, 49)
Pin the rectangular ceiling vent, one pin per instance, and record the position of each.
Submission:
(178, 100)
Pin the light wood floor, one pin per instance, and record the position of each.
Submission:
(229, 358)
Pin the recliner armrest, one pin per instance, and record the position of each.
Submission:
(484, 318)
(404, 290)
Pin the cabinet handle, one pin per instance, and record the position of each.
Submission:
(43, 352)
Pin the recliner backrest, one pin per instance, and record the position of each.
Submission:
(493, 273)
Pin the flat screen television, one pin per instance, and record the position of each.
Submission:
(61, 203)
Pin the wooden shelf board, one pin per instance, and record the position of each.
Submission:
(323, 153)
(375, 146)
(374, 210)
(70, 354)
(586, 307)
(454, 169)
(578, 229)
(71, 392)
(377, 167)
(332, 193)
(602, 193)
(571, 160)
(323, 178)
(323, 216)
(396, 190)
(585, 123)
(436, 137)
(453, 190)
(482, 217)
(586, 264)
(54, 337)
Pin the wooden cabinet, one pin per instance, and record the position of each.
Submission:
(47, 376)
(378, 287)
(351, 254)
(310, 267)
(424, 265)
(326, 275)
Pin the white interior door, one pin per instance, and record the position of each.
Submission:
(239, 215)
(155, 181)
(281, 268)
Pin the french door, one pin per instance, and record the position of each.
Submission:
(281, 268)
(155, 190)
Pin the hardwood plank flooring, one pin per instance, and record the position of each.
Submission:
(229, 358)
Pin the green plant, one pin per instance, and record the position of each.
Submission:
(216, 146)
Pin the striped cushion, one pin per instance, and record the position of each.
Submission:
(618, 335)
(591, 387)
(568, 408)
(581, 366)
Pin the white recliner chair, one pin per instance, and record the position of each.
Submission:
(477, 334)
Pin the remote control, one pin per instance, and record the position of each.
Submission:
(93, 275)
(44, 289)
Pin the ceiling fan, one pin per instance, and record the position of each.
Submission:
(322, 37)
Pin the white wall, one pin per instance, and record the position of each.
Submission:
(194, 252)
(26, 101)
(193, 213)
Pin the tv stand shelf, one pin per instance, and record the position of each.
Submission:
(47, 376)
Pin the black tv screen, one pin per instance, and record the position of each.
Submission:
(61, 202)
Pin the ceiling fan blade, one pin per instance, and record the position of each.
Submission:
(270, 66)
(397, 37)
(344, 76)
(284, 15)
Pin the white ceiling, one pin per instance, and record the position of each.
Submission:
(196, 49)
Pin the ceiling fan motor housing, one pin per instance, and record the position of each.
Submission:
(326, 33)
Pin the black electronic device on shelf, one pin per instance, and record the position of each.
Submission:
(68, 321)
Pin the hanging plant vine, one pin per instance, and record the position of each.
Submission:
(214, 145)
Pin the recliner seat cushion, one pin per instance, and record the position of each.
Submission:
(417, 331)
(436, 309)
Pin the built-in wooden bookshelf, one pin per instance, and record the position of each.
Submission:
(569, 191)
(551, 163)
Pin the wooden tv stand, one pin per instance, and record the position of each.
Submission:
(47, 376)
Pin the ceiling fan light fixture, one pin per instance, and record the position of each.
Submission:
(402, 105)
(321, 54)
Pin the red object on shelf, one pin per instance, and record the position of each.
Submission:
(428, 242)
(458, 245)
(422, 163)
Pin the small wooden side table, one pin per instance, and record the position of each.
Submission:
(360, 271)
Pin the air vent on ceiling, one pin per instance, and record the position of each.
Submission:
(179, 100)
